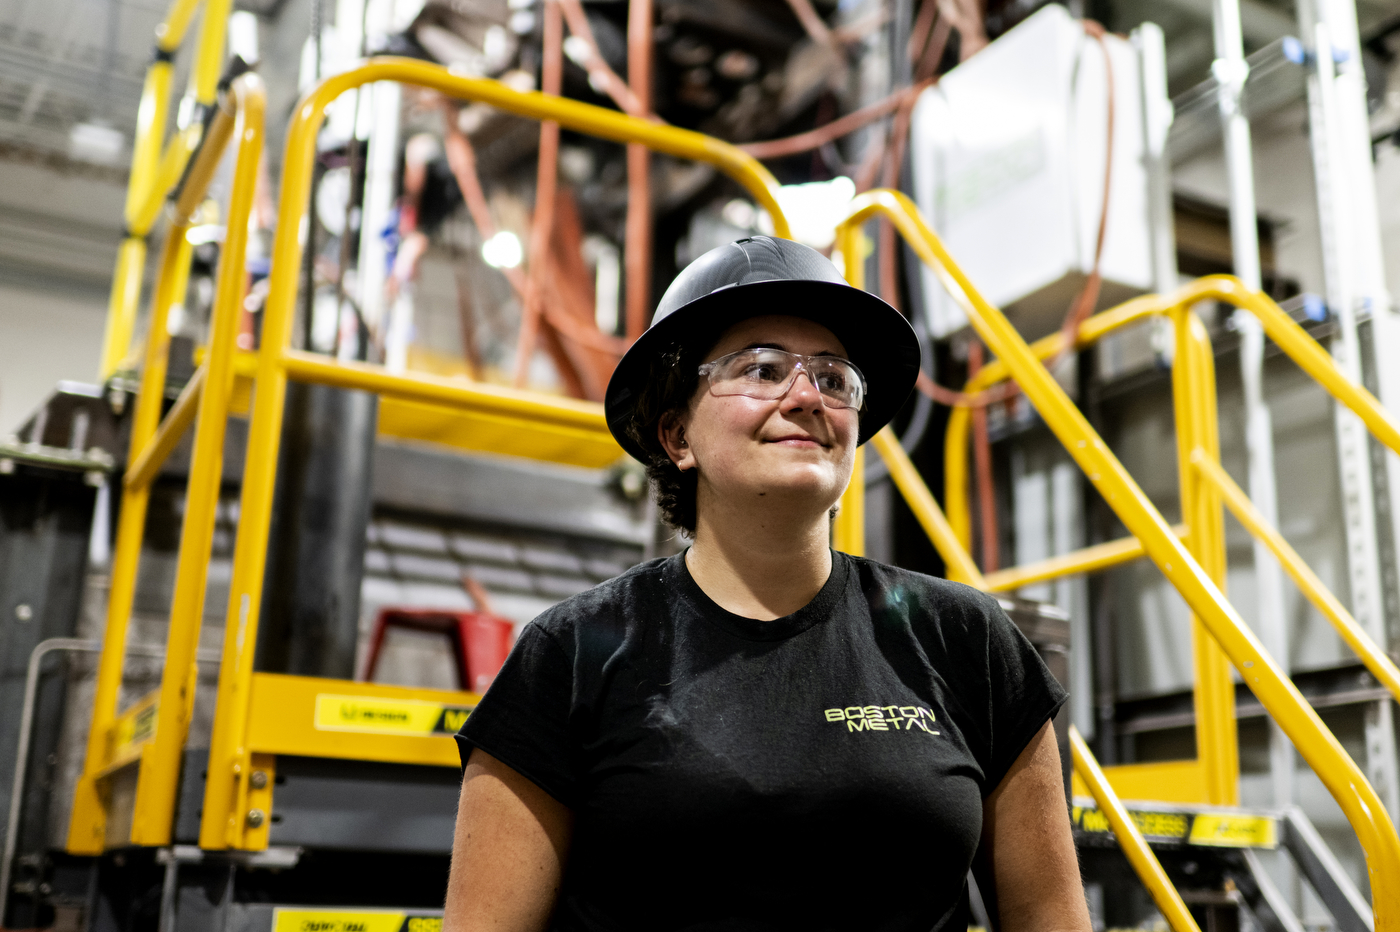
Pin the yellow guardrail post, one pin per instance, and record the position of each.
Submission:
(1144, 862)
(242, 119)
(848, 533)
(1375, 659)
(955, 489)
(224, 823)
(1318, 746)
(87, 827)
(1193, 382)
(155, 166)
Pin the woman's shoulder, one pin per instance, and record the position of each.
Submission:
(922, 601)
(607, 605)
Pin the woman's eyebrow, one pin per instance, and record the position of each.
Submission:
(779, 346)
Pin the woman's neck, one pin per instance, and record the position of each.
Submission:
(758, 565)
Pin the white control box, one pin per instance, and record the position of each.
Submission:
(1007, 155)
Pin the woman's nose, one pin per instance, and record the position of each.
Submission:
(803, 392)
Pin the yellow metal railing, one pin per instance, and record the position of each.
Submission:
(1203, 479)
(1193, 567)
(239, 118)
(205, 402)
(156, 166)
(960, 566)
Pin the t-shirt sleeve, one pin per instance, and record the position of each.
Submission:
(1024, 694)
(523, 720)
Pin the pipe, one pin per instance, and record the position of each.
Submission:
(982, 457)
(1230, 70)
(637, 247)
(830, 132)
(26, 724)
(546, 182)
(597, 67)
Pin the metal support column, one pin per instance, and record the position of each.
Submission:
(1230, 71)
(1357, 294)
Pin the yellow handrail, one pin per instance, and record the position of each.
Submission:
(961, 566)
(142, 470)
(151, 442)
(1193, 393)
(1317, 745)
(960, 418)
(155, 166)
(1375, 659)
(223, 824)
(1086, 560)
(1144, 863)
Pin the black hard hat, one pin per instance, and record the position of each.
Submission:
(764, 275)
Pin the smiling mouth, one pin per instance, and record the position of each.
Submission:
(795, 439)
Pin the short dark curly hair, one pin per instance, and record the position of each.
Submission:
(669, 386)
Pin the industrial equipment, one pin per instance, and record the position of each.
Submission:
(296, 802)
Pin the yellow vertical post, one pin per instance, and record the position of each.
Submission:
(151, 117)
(154, 811)
(121, 307)
(87, 826)
(223, 823)
(150, 132)
(209, 56)
(1193, 377)
(848, 534)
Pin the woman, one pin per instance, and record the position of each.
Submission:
(760, 733)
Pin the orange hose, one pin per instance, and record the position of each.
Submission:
(596, 66)
(982, 461)
(816, 138)
(637, 248)
(547, 176)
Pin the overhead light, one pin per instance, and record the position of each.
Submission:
(96, 142)
(503, 251)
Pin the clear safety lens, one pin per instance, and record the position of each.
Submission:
(768, 373)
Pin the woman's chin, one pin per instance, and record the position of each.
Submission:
(802, 482)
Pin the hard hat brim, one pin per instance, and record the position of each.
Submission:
(877, 338)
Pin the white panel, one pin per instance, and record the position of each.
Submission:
(1007, 152)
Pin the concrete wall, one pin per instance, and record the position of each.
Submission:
(59, 230)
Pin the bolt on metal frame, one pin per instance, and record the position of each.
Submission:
(239, 118)
(1192, 569)
(157, 165)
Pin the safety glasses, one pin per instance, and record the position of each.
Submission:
(768, 373)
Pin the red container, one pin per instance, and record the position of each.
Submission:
(488, 641)
(480, 641)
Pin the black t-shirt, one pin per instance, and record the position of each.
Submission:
(821, 771)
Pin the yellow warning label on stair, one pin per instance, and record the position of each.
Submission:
(352, 920)
(1212, 829)
(1234, 831)
(133, 728)
(375, 715)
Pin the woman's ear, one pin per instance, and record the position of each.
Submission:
(670, 431)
